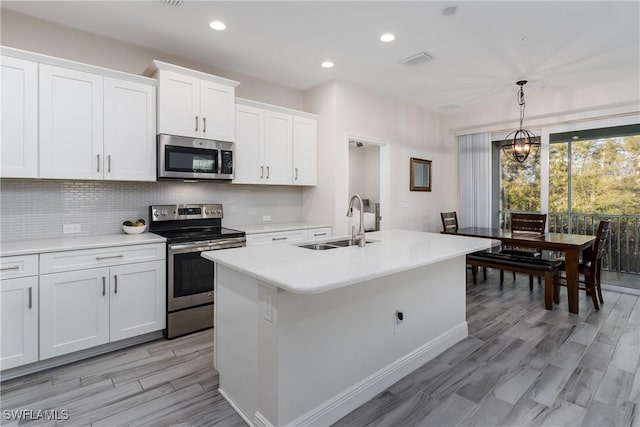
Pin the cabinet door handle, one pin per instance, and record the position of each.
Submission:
(296, 169)
(98, 258)
(115, 283)
(261, 172)
(275, 239)
(196, 123)
(104, 286)
(109, 163)
(13, 267)
(319, 234)
(30, 298)
(267, 172)
(204, 125)
(98, 162)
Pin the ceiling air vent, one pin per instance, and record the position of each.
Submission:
(174, 3)
(416, 59)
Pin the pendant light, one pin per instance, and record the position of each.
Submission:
(520, 143)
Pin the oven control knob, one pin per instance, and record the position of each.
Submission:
(156, 214)
(207, 212)
(164, 212)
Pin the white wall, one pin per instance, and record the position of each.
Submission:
(409, 131)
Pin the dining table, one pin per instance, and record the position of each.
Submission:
(570, 244)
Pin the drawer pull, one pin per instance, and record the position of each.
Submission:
(30, 298)
(319, 234)
(98, 258)
(104, 286)
(115, 283)
(13, 267)
(275, 239)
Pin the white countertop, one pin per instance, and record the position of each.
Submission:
(305, 271)
(283, 226)
(28, 247)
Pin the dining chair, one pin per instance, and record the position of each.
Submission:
(590, 267)
(526, 223)
(450, 225)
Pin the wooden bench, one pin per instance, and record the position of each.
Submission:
(534, 266)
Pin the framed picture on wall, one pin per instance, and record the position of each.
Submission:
(420, 171)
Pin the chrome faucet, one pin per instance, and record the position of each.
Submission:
(357, 237)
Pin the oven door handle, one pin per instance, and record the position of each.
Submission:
(209, 245)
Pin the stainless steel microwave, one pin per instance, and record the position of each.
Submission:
(181, 157)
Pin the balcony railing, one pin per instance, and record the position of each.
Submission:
(623, 245)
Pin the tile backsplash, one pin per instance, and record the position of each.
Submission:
(37, 209)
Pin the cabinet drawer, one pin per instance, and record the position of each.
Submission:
(279, 237)
(319, 233)
(18, 266)
(91, 258)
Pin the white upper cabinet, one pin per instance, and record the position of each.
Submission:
(274, 145)
(278, 137)
(195, 104)
(129, 130)
(179, 104)
(19, 139)
(305, 146)
(217, 106)
(71, 121)
(67, 120)
(249, 145)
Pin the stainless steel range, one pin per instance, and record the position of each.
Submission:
(190, 230)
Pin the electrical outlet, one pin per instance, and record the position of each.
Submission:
(71, 228)
(398, 318)
(267, 308)
(266, 218)
(405, 203)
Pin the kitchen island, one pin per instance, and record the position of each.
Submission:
(303, 337)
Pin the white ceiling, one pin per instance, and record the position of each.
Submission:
(479, 52)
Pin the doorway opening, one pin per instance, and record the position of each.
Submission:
(368, 177)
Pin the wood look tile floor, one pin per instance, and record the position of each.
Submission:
(520, 366)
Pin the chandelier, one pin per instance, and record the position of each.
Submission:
(520, 143)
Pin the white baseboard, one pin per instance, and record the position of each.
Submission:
(620, 289)
(260, 420)
(340, 405)
(239, 411)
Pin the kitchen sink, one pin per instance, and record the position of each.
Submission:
(318, 246)
(333, 244)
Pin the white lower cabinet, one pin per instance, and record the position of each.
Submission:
(137, 302)
(74, 314)
(86, 308)
(291, 236)
(18, 321)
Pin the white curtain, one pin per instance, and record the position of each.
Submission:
(475, 180)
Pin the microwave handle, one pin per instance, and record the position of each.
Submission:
(219, 161)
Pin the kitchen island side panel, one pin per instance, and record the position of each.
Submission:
(236, 335)
(331, 341)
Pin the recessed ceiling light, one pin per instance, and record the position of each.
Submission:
(217, 25)
(327, 64)
(387, 37)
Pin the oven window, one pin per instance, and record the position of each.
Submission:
(186, 159)
(192, 274)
